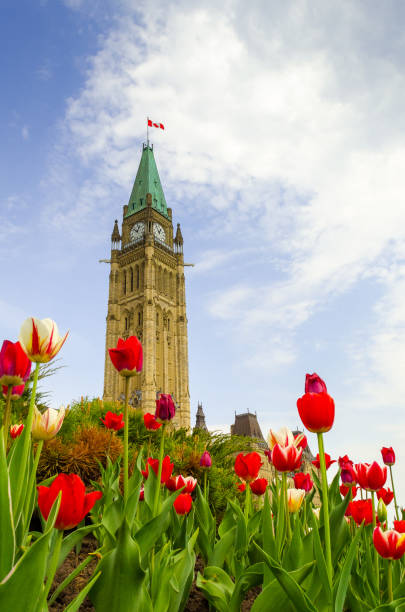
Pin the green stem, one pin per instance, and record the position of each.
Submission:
(287, 513)
(32, 480)
(376, 568)
(248, 494)
(389, 581)
(325, 504)
(159, 476)
(27, 437)
(126, 427)
(53, 564)
(7, 414)
(395, 497)
(205, 483)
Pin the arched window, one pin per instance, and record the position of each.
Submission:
(137, 277)
(132, 280)
(126, 323)
(124, 288)
(157, 319)
(140, 317)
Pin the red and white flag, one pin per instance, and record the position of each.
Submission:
(156, 125)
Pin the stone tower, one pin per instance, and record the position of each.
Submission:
(147, 296)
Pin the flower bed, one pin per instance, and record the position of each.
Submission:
(270, 549)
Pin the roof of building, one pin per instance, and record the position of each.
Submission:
(147, 180)
(247, 425)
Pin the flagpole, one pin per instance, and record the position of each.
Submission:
(147, 132)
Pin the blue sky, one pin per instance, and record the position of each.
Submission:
(283, 160)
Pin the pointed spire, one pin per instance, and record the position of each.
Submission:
(200, 418)
(115, 237)
(178, 240)
(147, 181)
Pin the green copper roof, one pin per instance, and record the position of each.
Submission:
(147, 181)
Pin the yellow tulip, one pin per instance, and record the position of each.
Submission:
(40, 339)
(294, 499)
(45, 426)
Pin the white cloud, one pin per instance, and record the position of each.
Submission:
(286, 122)
(25, 132)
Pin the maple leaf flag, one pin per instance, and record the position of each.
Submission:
(156, 125)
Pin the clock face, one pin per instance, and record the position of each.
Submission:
(159, 232)
(137, 231)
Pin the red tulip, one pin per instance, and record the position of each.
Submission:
(388, 455)
(343, 460)
(314, 384)
(347, 474)
(167, 468)
(399, 526)
(345, 490)
(386, 495)
(389, 544)
(174, 483)
(16, 392)
(317, 411)
(361, 510)
(16, 430)
(150, 421)
(303, 443)
(142, 494)
(127, 357)
(205, 460)
(303, 481)
(287, 458)
(241, 486)
(259, 486)
(268, 455)
(247, 466)
(328, 461)
(165, 408)
(370, 477)
(75, 503)
(113, 421)
(15, 367)
(182, 504)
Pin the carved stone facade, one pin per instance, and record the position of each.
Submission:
(147, 297)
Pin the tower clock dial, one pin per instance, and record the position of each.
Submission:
(159, 232)
(137, 231)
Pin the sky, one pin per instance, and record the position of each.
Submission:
(283, 160)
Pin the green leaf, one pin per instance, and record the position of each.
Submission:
(274, 598)
(79, 599)
(217, 587)
(121, 586)
(72, 540)
(320, 558)
(182, 573)
(290, 586)
(222, 548)
(7, 539)
(346, 572)
(252, 576)
(395, 606)
(22, 587)
(151, 531)
(269, 542)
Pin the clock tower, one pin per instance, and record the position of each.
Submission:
(147, 297)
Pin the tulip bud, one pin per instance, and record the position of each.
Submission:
(165, 408)
(314, 384)
(206, 460)
(388, 455)
(381, 511)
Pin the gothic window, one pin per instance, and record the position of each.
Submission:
(132, 280)
(139, 318)
(126, 323)
(157, 319)
(137, 277)
(168, 324)
(124, 288)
